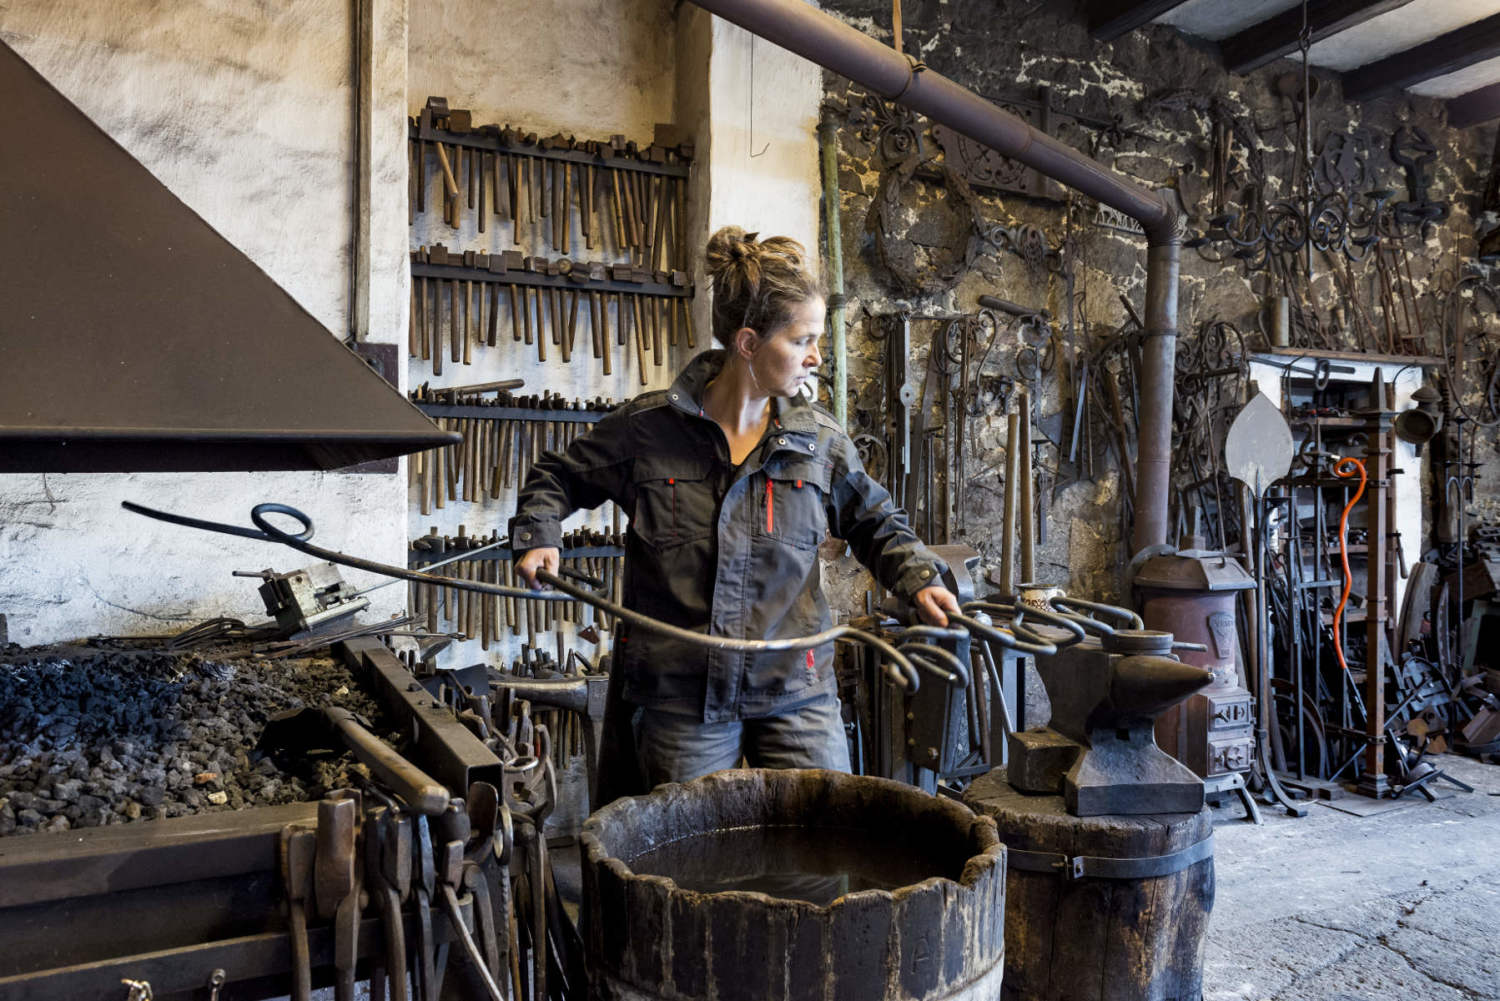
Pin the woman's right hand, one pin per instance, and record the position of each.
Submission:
(543, 558)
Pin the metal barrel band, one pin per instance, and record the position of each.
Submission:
(913, 67)
(1095, 867)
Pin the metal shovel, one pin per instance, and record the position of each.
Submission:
(1258, 451)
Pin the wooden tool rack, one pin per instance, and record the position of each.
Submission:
(499, 444)
(460, 293)
(547, 180)
(484, 616)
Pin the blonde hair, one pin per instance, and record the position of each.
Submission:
(756, 283)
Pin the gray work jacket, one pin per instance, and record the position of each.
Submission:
(723, 549)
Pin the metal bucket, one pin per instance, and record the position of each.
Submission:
(647, 937)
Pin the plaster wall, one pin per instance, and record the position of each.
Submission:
(593, 69)
(244, 113)
(753, 108)
(763, 102)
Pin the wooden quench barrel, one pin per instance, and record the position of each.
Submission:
(1106, 908)
(650, 939)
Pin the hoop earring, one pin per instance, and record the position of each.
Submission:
(750, 366)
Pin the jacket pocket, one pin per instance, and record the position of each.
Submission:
(674, 502)
(791, 502)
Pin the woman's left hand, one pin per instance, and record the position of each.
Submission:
(933, 603)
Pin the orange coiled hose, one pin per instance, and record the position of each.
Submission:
(1345, 467)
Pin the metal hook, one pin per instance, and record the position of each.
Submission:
(767, 146)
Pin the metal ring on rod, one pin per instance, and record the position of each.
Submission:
(1016, 616)
(1028, 638)
(1100, 608)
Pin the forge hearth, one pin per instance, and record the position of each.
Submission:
(102, 734)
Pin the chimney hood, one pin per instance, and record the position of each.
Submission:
(135, 338)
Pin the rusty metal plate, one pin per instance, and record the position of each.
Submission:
(155, 344)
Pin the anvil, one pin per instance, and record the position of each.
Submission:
(1099, 750)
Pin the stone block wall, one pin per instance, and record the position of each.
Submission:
(1149, 105)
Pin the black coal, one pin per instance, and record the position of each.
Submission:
(92, 736)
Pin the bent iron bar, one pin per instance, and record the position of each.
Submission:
(808, 32)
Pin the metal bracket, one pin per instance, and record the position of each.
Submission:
(1094, 867)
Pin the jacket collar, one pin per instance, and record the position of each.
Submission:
(792, 413)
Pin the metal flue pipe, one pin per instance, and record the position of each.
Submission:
(801, 28)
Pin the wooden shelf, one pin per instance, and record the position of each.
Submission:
(1350, 423)
(1356, 356)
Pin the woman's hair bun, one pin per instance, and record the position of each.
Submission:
(728, 247)
(755, 282)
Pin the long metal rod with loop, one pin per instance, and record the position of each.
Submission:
(897, 667)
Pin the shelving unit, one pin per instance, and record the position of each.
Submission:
(1334, 714)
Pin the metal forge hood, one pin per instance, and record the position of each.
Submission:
(135, 338)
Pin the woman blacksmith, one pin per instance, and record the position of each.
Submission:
(731, 481)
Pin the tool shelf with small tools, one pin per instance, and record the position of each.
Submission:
(502, 436)
(513, 268)
(614, 154)
(543, 297)
(548, 182)
(597, 557)
(418, 557)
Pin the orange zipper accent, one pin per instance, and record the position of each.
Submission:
(770, 510)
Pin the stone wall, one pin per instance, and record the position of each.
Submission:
(1151, 104)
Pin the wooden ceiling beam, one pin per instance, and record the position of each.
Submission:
(1108, 21)
(1275, 37)
(1474, 108)
(1448, 53)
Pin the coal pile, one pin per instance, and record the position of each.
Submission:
(92, 735)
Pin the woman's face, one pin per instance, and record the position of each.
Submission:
(787, 356)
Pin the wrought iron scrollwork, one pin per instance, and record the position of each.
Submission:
(1349, 224)
(1211, 371)
(1471, 353)
(894, 130)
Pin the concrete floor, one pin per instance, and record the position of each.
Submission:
(1399, 905)
(1402, 905)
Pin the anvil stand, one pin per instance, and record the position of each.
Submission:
(1265, 708)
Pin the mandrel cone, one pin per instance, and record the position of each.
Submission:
(1148, 685)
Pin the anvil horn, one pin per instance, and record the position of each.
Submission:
(1148, 685)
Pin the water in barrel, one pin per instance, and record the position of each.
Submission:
(815, 864)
